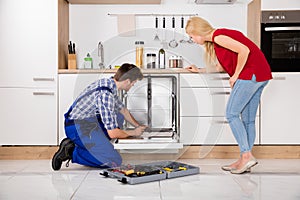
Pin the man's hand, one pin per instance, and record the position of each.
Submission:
(137, 131)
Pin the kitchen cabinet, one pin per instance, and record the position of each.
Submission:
(280, 5)
(114, 1)
(280, 110)
(28, 43)
(28, 116)
(70, 86)
(28, 72)
(203, 99)
(137, 101)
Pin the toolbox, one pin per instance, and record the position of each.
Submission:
(155, 171)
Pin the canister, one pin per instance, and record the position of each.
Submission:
(175, 62)
(139, 53)
(151, 60)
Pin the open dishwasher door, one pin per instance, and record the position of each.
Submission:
(153, 102)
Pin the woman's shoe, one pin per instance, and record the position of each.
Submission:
(252, 162)
(228, 168)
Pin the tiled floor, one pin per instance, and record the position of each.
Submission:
(34, 179)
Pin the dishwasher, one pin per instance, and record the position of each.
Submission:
(152, 102)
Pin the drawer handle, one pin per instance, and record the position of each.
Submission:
(220, 122)
(279, 78)
(43, 79)
(43, 93)
(220, 93)
(220, 78)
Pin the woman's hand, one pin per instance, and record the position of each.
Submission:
(232, 80)
(193, 68)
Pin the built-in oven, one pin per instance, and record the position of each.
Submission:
(280, 39)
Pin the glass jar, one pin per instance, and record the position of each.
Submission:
(139, 53)
(151, 60)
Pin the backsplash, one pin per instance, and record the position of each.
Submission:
(90, 24)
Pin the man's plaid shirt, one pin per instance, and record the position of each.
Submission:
(104, 102)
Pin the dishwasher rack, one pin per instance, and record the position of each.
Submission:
(153, 102)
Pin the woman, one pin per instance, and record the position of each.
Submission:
(249, 72)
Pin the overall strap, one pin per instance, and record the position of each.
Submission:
(84, 95)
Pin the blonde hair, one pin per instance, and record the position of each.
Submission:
(199, 26)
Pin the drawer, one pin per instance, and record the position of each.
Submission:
(203, 101)
(204, 80)
(208, 131)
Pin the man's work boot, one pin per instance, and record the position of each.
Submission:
(64, 153)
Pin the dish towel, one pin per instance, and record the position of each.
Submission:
(126, 25)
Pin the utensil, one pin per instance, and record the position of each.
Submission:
(164, 42)
(156, 38)
(173, 43)
(182, 28)
(190, 40)
(101, 55)
(71, 48)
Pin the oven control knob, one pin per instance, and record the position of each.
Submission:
(277, 17)
(282, 17)
(271, 17)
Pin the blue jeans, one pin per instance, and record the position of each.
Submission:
(241, 111)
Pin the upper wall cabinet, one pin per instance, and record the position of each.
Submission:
(114, 1)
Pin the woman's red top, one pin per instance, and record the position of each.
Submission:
(256, 62)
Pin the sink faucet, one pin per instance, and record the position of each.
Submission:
(101, 55)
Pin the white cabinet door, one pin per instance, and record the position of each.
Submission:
(280, 110)
(203, 101)
(70, 86)
(28, 116)
(208, 131)
(219, 80)
(29, 42)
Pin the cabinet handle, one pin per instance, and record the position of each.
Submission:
(43, 79)
(220, 78)
(291, 28)
(280, 78)
(220, 122)
(220, 93)
(44, 93)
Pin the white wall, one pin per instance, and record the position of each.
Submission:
(280, 4)
(90, 24)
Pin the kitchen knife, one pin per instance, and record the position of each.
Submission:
(70, 50)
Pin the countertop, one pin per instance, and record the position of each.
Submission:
(144, 71)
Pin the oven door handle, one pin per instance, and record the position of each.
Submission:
(288, 28)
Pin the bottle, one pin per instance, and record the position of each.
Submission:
(161, 59)
(139, 53)
(88, 62)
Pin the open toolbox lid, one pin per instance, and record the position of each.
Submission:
(148, 172)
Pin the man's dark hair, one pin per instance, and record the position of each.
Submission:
(128, 71)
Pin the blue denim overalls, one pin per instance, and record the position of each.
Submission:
(92, 142)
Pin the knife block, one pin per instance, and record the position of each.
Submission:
(72, 61)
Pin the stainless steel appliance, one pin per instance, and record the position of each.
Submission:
(280, 39)
(153, 102)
